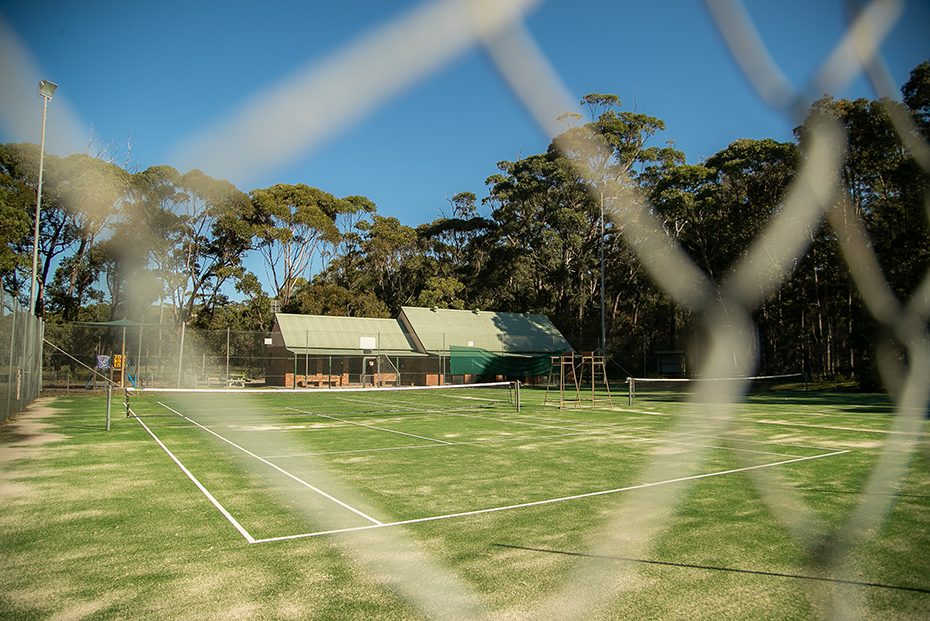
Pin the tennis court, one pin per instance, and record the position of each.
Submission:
(331, 504)
(395, 457)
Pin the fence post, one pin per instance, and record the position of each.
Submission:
(181, 352)
(109, 400)
(227, 357)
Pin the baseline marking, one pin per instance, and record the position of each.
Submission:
(409, 435)
(279, 469)
(854, 429)
(613, 431)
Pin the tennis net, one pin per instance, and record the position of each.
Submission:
(169, 402)
(675, 389)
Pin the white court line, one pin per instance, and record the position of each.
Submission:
(667, 433)
(409, 435)
(613, 432)
(854, 429)
(278, 468)
(548, 501)
(433, 446)
(209, 496)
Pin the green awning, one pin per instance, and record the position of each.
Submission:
(477, 361)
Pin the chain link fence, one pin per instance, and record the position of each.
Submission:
(87, 355)
(724, 309)
(635, 523)
(20, 356)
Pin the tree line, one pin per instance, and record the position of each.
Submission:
(116, 242)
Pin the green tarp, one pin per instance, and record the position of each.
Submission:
(477, 361)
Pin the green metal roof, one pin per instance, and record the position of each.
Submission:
(421, 331)
(438, 329)
(323, 334)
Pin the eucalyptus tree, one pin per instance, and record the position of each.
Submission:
(546, 234)
(392, 262)
(17, 201)
(551, 216)
(715, 209)
(92, 193)
(189, 231)
(218, 224)
(59, 229)
(328, 298)
(294, 222)
(457, 251)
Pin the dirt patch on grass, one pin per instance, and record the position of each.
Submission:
(22, 436)
(28, 429)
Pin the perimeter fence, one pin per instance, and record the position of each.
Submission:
(88, 355)
(82, 356)
(414, 45)
(20, 356)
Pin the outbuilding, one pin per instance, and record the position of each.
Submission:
(422, 347)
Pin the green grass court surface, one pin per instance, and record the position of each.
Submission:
(232, 507)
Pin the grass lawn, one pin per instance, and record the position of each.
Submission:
(653, 510)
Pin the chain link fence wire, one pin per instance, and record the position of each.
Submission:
(165, 356)
(20, 356)
(415, 44)
(365, 75)
(724, 308)
(153, 355)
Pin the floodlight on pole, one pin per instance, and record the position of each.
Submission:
(46, 91)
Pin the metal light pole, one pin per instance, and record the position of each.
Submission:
(46, 91)
(603, 306)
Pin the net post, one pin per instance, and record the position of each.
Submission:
(632, 384)
(181, 352)
(516, 394)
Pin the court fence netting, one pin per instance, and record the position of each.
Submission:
(20, 356)
(83, 355)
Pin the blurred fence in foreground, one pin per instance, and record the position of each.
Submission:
(20, 356)
(634, 522)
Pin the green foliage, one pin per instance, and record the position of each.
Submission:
(293, 222)
(333, 299)
(120, 242)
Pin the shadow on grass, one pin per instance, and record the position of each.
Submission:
(711, 568)
(842, 401)
(855, 493)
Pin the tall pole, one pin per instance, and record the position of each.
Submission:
(35, 239)
(603, 306)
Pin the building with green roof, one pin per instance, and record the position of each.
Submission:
(422, 346)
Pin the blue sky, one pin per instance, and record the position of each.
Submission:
(158, 74)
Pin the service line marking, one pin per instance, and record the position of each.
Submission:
(203, 489)
(349, 422)
(248, 537)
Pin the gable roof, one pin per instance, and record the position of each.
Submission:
(421, 331)
(340, 335)
(438, 329)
